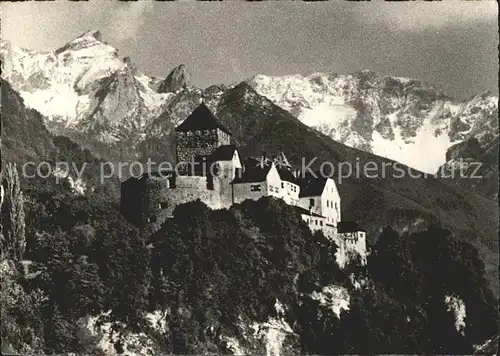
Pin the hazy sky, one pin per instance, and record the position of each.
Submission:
(451, 44)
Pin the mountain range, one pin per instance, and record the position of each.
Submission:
(84, 91)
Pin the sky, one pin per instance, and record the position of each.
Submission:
(451, 44)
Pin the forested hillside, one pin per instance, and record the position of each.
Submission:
(251, 279)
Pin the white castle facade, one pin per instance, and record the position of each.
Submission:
(213, 172)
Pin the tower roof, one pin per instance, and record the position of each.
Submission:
(201, 119)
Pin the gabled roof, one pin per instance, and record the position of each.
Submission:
(287, 176)
(201, 119)
(312, 186)
(253, 175)
(348, 226)
(223, 153)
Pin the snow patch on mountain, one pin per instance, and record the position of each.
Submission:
(421, 149)
(398, 118)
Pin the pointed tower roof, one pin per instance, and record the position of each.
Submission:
(201, 119)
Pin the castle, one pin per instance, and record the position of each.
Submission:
(210, 168)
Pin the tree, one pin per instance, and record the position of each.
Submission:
(13, 243)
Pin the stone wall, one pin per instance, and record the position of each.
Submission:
(253, 191)
(199, 143)
(177, 196)
(141, 198)
(226, 191)
(191, 182)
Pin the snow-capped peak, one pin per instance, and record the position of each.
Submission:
(83, 85)
(92, 33)
(394, 117)
(87, 39)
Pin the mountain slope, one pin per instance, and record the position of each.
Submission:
(473, 167)
(47, 159)
(24, 136)
(398, 118)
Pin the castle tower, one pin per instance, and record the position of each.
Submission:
(200, 134)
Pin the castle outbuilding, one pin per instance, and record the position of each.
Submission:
(209, 168)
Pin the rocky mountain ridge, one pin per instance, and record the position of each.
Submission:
(84, 87)
(399, 118)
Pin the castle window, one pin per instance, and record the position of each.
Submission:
(321, 222)
(282, 185)
(311, 202)
(255, 188)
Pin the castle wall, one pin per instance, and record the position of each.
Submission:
(226, 192)
(315, 207)
(274, 183)
(131, 199)
(331, 202)
(191, 182)
(253, 191)
(341, 251)
(355, 243)
(141, 198)
(327, 204)
(227, 169)
(290, 193)
(174, 197)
